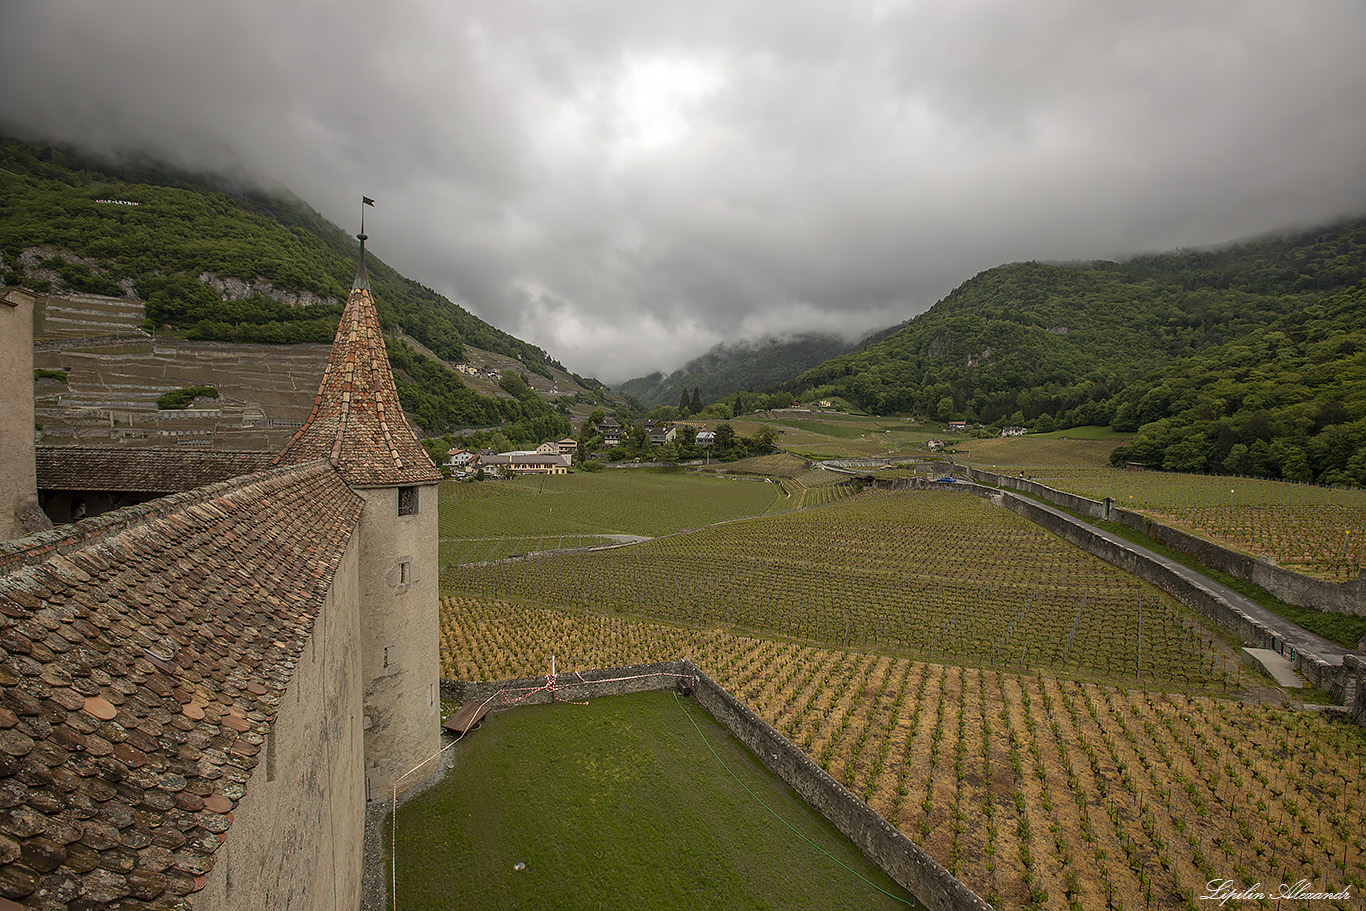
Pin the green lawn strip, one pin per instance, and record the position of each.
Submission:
(1344, 629)
(461, 551)
(621, 803)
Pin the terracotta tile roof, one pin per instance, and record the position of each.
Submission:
(142, 656)
(357, 423)
(121, 468)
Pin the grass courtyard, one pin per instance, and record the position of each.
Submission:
(639, 801)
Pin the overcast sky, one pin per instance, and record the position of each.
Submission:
(627, 183)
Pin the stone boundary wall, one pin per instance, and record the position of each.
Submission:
(1357, 669)
(977, 490)
(897, 856)
(1199, 598)
(894, 853)
(1289, 586)
(1058, 498)
(579, 685)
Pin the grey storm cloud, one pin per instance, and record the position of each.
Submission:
(627, 183)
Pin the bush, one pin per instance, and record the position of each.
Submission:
(181, 398)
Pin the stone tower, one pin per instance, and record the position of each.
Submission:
(358, 425)
(19, 511)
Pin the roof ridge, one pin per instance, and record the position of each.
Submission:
(179, 451)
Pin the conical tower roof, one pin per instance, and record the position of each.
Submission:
(357, 423)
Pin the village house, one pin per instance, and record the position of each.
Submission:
(201, 692)
(1014, 431)
(705, 438)
(558, 447)
(461, 458)
(524, 462)
(659, 434)
(610, 430)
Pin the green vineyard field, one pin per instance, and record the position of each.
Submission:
(934, 574)
(1319, 531)
(1038, 792)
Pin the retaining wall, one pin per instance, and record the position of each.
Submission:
(616, 681)
(1080, 505)
(1289, 586)
(1199, 598)
(899, 857)
(1356, 668)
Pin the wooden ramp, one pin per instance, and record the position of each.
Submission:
(466, 717)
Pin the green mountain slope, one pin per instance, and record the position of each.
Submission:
(726, 369)
(180, 242)
(1286, 400)
(1025, 340)
(186, 225)
(1248, 345)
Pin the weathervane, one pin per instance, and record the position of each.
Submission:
(364, 201)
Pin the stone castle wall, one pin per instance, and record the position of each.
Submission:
(295, 841)
(19, 512)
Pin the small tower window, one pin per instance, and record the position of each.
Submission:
(407, 501)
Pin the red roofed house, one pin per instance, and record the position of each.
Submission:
(198, 693)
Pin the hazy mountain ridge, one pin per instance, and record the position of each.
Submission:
(1043, 339)
(756, 365)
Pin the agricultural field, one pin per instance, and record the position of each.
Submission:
(1033, 451)
(493, 520)
(938, 575)
(774, 465)
(830, 436)
(1318, 531)
(1037, 791)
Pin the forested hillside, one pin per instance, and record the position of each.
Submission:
(1287, 400)
(182, 243)
(185, 226)
(727, 369)
(1275, 322)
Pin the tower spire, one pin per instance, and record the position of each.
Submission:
(357, 422)
(362, 282)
